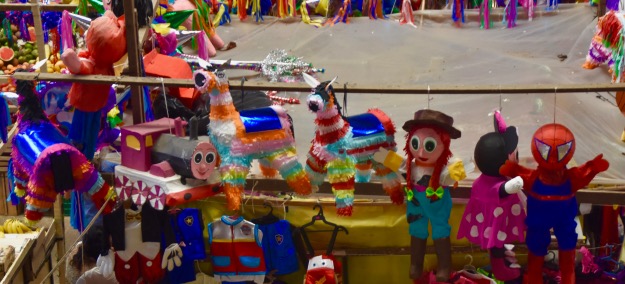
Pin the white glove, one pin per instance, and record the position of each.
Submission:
(584, 208)
(380, 155)
(171, 257)
(514, 185)
(106, 263)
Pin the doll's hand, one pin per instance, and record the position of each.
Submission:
(456, 171)
(599, 164)
(106, 263)
(71, 60)
(585, 208)
(514, 185)
(171, 257)
(508, 169)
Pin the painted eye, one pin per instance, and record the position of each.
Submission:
(200, 79)
(197, 158)
(314, 264)
(564, 149)
(210, 157)
(414, 143)
(430, 144)
(543, 149)
(323, 263)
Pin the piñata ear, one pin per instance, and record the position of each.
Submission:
(500, 124)
(310, 80)
(331, 82)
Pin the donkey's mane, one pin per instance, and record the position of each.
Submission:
(321, 89)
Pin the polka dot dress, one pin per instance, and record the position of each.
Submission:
(490, 221)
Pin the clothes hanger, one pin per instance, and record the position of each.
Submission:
(551, 264)
(609, 259)
(267, 219)
(320, 217)
(469, 267)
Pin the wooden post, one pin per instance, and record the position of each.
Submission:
(601, 7)
(59, 223)
(134, 55)
(41, 49)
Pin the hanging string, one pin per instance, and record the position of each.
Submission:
(80, 237)
(345, 99)
(555, 101)
(166, 107)
(248, 199)
(428, 93)
(500, 99)
(290, 197)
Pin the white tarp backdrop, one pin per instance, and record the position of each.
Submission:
(384, 52)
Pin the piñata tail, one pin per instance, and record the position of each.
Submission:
(46, 164)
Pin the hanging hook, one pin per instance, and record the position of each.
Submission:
(555, 102)
(267, 204)
(243, 89)
(500, 99)
(320, 213)
(428, 96)
(469, 267)
(345, 99)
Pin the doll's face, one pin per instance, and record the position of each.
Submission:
(107, 4)
(203, 160)
(426, 146)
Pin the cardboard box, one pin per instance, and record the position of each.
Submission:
(7, 257)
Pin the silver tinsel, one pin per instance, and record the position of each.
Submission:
(279, 66)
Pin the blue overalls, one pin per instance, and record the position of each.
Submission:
(420, 211)
(551, 206)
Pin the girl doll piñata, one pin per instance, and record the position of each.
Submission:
(495, 215)
(551, 199)
(427, 148)
(106, 44)
(45, 164)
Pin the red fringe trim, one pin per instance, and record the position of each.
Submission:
(315, 166)
(345, 211)
(328, 121)
(364, 166)
(333, 136)
(389, 127)
(344, 185)
(368, 148)
(33, 215)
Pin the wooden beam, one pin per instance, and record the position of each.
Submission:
(59, 223)
(597, 196)
(351, 87)
(134, 55)
(50, 7)
(41, 45)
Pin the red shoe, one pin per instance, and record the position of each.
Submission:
(567, 266)
(534, 269)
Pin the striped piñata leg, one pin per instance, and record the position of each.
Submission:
(341, 174)
(266, 169)
(291, 170)
(363, 171)
(316, 172)
(233, 178)
(391, 182)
